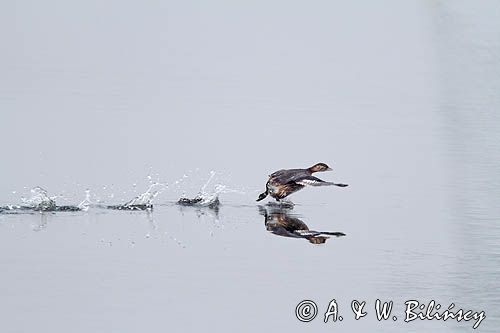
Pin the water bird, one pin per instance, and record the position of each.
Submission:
(281, 222)
(282, 183)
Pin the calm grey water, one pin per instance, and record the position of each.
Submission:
(401, 98)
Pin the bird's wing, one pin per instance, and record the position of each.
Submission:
(276, 173)
(312, 181)
(287, 176)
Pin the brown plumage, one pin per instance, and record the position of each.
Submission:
(282, 183)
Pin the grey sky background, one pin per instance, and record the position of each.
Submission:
(96, 93)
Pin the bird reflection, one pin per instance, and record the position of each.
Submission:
(280, 221)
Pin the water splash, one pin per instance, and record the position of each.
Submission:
(85, 204)
(10, 209)
(200, 200)
(204, 187)
(205, 197)
(39, 200)
(145, 200)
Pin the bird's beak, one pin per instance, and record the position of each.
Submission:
(329, 169)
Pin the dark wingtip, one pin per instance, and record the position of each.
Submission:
(337, 233)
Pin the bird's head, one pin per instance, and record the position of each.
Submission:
(319, 167)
